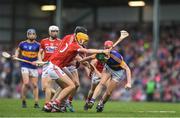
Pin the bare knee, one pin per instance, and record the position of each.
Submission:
(72, 86)
(26, 84)
(35, 86)
(102, 84)
(46, 84)
(77, 85)
(108, 93)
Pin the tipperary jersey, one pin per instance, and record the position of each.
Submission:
(115, 60)
(29, 52)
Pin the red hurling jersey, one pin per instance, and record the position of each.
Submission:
(65, 54)
(49, 47)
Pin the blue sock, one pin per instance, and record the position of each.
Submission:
(92, 100)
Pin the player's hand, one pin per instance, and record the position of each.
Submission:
(33, 63)
(14, 56)
(128, 86)
(85, 63)
(40, 63)
(106, 52)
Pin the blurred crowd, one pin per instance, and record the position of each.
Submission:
(153, 79)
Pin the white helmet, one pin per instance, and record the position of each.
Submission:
(53, 27)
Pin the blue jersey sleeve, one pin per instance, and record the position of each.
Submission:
(20, 45)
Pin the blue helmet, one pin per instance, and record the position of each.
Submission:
(31, 31)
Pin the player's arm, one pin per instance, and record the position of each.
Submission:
(17, 52)
(41, 51)
(93, 64)
(88, 58)
(93, 51)
(78, 58)
(126, 67)
(40, 54)
(128, 73)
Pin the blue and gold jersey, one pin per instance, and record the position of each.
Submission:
(29, 51)
(115, 60)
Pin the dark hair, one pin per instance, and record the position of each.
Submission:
(80, 29)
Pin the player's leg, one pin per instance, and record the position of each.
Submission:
(60, 77)
(117, 76)
(47, 88)
(46, 83)
(57, 92)
(76, 82)
(110, 87)
(91, 91)
(25, 80)
(90, 94)
(65, 91)
(72, 72)
(98, 90)
(34, 79)
(94, 82)
(54, 97)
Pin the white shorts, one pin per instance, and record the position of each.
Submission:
(44, 72)
(53, 71)
(95, 79)
(71, 68)
(31, 72)
(115, 75)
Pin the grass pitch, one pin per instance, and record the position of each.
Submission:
(12, 108)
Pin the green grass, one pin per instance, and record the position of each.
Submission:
(12, 108)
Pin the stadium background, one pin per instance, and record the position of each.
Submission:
(103, 19)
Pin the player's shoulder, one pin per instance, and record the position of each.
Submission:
(44, 39)
(58, 40)
(67, 36)
(36, 42)
(116, 53)
(22, 42)
(75, 45)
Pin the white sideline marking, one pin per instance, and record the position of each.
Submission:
(157, 111)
